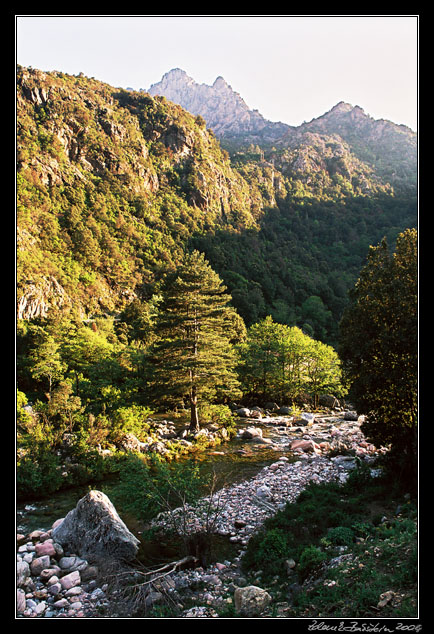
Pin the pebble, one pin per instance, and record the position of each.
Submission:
(48, 588)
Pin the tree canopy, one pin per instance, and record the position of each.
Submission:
(282, 362)
(379, 345)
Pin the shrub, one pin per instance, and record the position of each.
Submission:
(38, 473)
(149, 487)
(129, 420)
(218, 414)
(340, 536)
(358, 477)
(310, 560)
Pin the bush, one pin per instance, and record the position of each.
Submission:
(149, 487)
(340, 536)
(272, 551)
(38, 473)
(358, 477)
(129, 420)
(310, 560)
(217, 414)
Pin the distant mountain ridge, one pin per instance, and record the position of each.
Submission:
(388, 148)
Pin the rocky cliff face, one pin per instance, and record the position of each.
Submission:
(110, 186)
(388, 148)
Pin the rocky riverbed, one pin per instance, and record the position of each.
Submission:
(55, 583)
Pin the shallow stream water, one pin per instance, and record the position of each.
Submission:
(232, 462)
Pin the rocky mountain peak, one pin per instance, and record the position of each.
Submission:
(224, 110)
(221, 84)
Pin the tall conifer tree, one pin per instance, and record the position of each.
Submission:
(193, 358)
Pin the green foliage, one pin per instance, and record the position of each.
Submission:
(110, 210)
(38, 472)
(320, 510)
(310, 560)
(193, 358)
(272, 550)
(359, 477)
(218, 415)
(385, 560)
(314, 529)
(340, 536)
(148, 487)
(113, 188)
(281, 362)
(129, 420)
(379, 346)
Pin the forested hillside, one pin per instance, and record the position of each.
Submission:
(114, 185)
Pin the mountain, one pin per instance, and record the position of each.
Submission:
(110, 186)
(389, 150)
(224, 110)
(113, 186)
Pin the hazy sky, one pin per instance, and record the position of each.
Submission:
(291, 68)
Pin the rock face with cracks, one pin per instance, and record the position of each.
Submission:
(94, 530)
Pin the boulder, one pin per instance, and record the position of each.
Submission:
(308, 418)
(243, 412)
(95, 531)
(251, 601)
(304, 445)
(284, 410)
(263, 492)
(271, 406)
(70, 581)
(252, 432)
(129, 442)
(23, 573)
(21, 601)
(39, 564)
(328, 400)
(255, 413)
(45, 548)
(351, 415)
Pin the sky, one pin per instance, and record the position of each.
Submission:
(290, 68)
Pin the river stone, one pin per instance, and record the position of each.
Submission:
(252, 432)
(21, 601)
(71, 580)
(45, 548)
(251, 601)
(39, 564)
(23, 573)
(95, 531)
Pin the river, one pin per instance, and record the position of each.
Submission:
(232, 462)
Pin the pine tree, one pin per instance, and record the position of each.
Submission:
(193, 358)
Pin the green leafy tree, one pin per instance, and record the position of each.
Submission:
(323, 371)
(378, 345)
(47, 362)
(260, 358)
(279, 361)
(193, 358)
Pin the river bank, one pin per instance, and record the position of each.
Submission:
(302, 454)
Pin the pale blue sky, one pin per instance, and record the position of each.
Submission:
(291, 68)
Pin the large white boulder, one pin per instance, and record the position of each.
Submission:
(95, 531)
